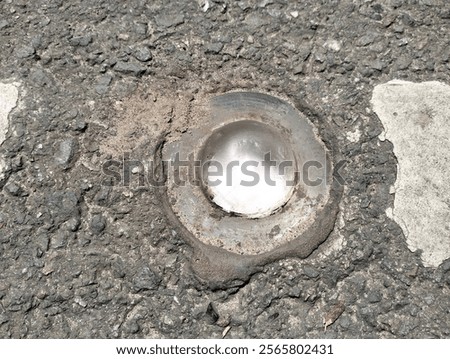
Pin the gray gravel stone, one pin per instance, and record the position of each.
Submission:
(83, 40)
(310, 272)
(3, 24)
(146, 279)
(129, 68)
(98, 224)
(25, 52)
(40, 77)
(378, 65)
(374, 296)
(367, 39)
(214, 48)
(103, 83)
(66, 152)
(13, 189)
(445, 14)
(403, 62)
(42, 242)
(63, 205)
(3, 318)
(142, 54)
(445, 266)
(73, 224)
(59, 240)
(166, 20)
(299, 69)
(80, 124)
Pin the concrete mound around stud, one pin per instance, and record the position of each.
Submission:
(228, 247)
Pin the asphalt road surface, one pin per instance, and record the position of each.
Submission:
(86, 82)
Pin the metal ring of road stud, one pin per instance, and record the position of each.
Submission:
(251, 182)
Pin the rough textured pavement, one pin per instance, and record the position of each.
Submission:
(81, 257)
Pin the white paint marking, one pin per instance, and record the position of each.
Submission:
(416, 118)
(8, 100)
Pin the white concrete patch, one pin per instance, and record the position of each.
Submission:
(9, 95)
(416, 118)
